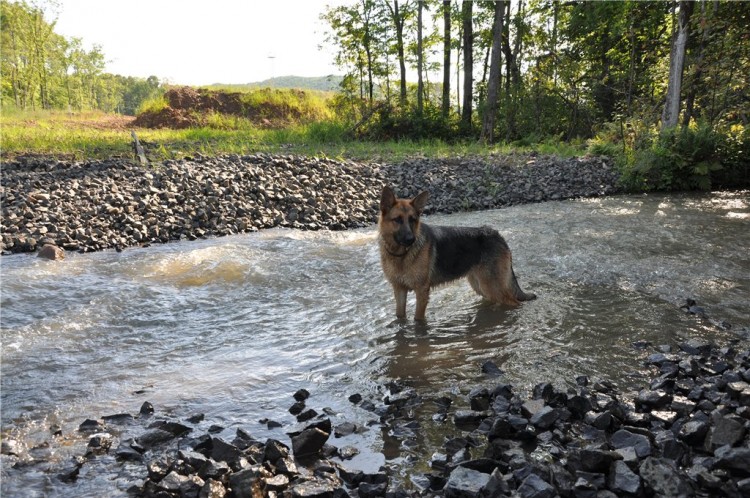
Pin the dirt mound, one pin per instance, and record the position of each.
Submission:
(189, 107)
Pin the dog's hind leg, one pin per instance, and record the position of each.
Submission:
(501, 282)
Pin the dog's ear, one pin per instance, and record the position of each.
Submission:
(387, 199)
(420, 201)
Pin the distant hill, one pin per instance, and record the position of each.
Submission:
(328, 83)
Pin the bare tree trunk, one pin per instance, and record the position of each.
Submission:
(493, 86)
(693, 84)
(468, 28)
(420, 61)
(446, 57)
(398, 22)
(671, 113)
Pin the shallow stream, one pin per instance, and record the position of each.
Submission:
(231, 327)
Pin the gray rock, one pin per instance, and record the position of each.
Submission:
(624, 438)
(624, 480)
(536, 487)
(465, 483)
(733, 459)
(725, 431)
(663, 478)
(545, 417)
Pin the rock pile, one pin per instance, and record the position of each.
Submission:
(115, 204)
(687, 434)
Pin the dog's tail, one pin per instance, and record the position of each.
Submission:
(516, 289)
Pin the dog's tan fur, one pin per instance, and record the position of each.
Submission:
(416, 257)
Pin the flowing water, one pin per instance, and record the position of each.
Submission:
(231, 327)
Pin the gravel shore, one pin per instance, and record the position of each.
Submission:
(90, 206)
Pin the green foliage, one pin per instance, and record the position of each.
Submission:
(328, 83)
(154, 103)
(681, 158)
(388, 122)
(43, 70)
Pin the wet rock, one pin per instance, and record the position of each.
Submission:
(307, 415)
(274, 451)
(154, 437)
(469, 417)
(126, 452)
(297, 408)
(245, 482)
(118, 418)
(212, 489)
(465, 483)
(71, 470)
(309, 442)
(479, 399)
(315, 488)
(146, 409)
(51, 252)
(100, 443)
(490, 368)
(344, 429)
(90, 425)
(301, 395)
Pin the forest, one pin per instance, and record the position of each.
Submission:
(660, 85)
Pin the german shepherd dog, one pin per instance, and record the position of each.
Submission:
(416, 256)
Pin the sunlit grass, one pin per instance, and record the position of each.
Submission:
(95, 135)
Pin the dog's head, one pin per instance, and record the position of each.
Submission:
(400, 217)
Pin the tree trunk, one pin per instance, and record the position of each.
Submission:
(468, 28)
(693, 85)
(513, 73)
(446, 57)
(398, 23)
(671, 113)
(493, 86)
(420, 82)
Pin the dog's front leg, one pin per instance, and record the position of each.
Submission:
(400, 294)
(423, 296)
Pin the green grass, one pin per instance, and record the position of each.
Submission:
(95, 135)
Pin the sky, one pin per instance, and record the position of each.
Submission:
(194, 42)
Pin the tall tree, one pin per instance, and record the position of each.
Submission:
(671, 113)
(493, 86)
(398, 14)
(468, 45)
(420, 60)
(446, 58)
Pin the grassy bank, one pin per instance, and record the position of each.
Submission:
(95, 135)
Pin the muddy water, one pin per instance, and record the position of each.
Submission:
(232, 327)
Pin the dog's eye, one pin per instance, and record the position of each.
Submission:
(412, 220)
(398, 220)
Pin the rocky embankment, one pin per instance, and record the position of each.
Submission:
(687, 434)
(89, 206)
